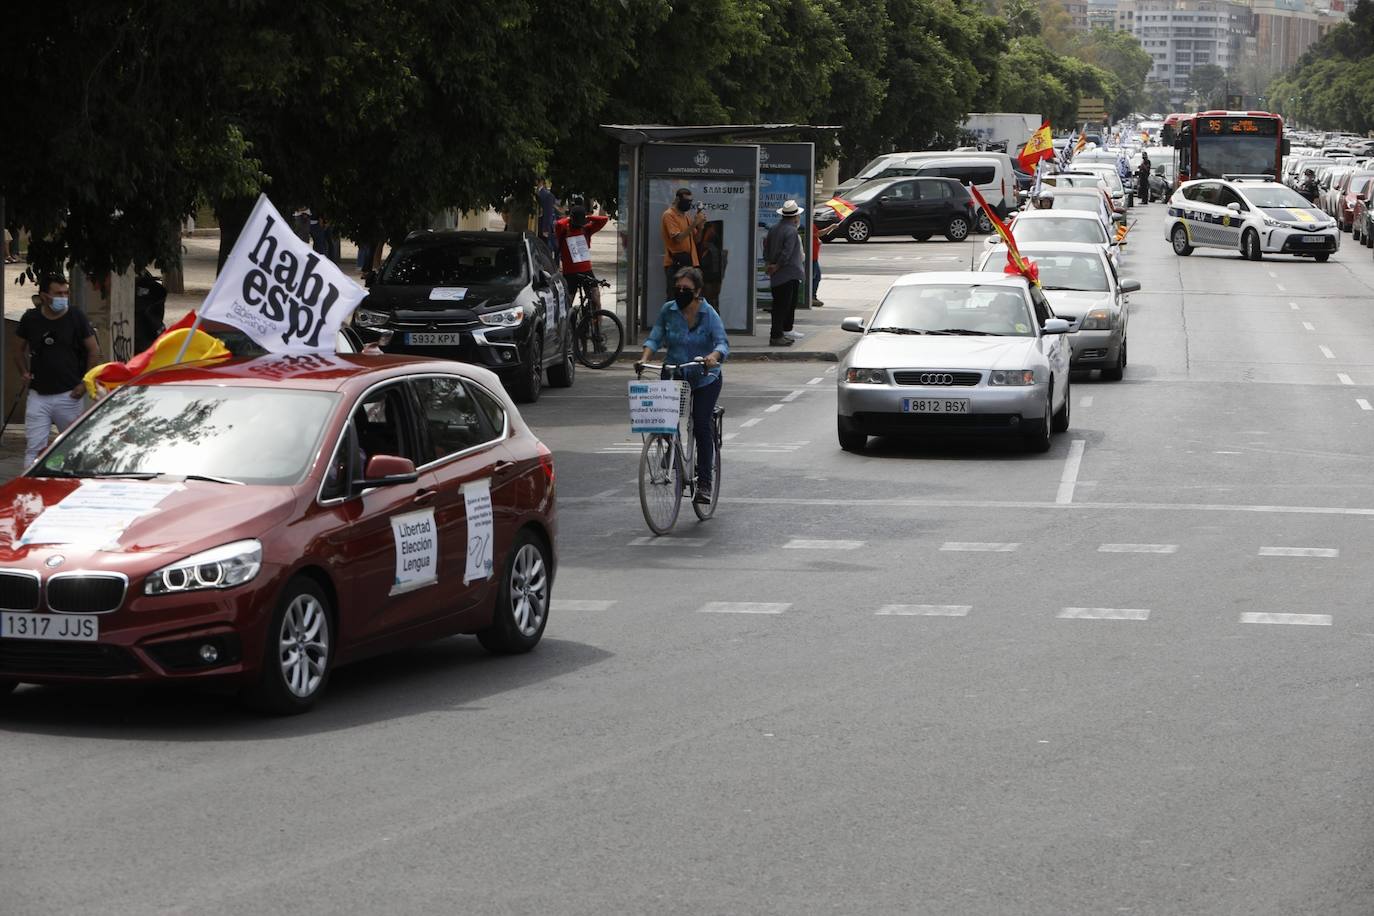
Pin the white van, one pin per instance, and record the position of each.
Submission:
(990, 172)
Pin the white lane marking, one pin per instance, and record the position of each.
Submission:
(728, 436)
(752, 421)
(1069, 478)
(572, 604)
(1294, 306)
(1273, 276)
(1329, 552)
(669, 542)
(1309, 326)
(1104, 613)
(817, 380)
(810, 544)
(772, 408)
(1138, 548)
(1282, 288)
(831, 370)
(794, 395)
(1087, 401)
(1344, 379)
(1302, 620)
(924, 610)
(742, 607)
(977, 547)
(1364, 405)
(604, 493)
(1326, 351)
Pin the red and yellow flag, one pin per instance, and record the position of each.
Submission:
(1017, 263)
(106, 377)
(842, 207)
(1039, 146)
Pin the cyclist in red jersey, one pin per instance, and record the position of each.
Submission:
(574, 233)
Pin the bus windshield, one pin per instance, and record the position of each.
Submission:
(1218, 156)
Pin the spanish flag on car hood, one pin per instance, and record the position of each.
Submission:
(1039, 146)
(106, 377)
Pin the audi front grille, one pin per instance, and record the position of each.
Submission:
(937, 379)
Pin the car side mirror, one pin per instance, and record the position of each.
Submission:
(1130, 286)
(1055, 326)
(1233, 207)
(884, 198)
(387, 471)
(854, 324)
(543, 279)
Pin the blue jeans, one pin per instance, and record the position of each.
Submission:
(815, 279)
(703, 407)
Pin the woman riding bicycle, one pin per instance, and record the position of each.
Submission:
(691, 328)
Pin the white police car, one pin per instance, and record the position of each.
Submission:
(1255, 216)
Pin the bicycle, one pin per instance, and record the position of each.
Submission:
(667, 462)
(598, 335)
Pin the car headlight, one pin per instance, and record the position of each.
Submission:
(367, 318)
(1273, 223)
(506, 318)
(866, 376)
(1097, 320)
(223, 567)
(1012, 377)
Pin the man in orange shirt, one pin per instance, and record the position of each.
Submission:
(680, 233)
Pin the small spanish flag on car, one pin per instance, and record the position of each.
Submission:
(841, 207)
(1039, 146)
(106, 377)
(1017, 263)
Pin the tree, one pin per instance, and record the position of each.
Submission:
(1120, 54)
(1208, 81)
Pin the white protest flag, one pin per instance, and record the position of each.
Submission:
(278, 291)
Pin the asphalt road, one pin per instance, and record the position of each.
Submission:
(944, 679)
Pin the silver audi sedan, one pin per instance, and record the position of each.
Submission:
(1083, 287)
(956, 353)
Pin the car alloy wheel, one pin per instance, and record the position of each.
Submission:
(984, 224)
(1250, 245)
(522, 605)
(858, 230)
(1179, 239)
(304, 644)
(957, 230)
(530, 382)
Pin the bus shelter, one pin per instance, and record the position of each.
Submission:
(735, 172)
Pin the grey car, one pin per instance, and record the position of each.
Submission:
(1083, 287)
(956, 353)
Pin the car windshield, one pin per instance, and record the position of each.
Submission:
(950, 309)
(1059, 230)
(868, 191)
(1276, 196)
(457, 262)
(874, 166)
(1071, 271)
(249, 434)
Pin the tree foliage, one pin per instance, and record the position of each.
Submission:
(1120, 54)
(1332, 87)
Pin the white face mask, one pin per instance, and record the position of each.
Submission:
(59, 304)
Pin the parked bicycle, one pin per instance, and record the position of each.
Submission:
(667, 462)
(598, 335)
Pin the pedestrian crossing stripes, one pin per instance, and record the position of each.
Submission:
(1302, 620)
(1104, 613)
(807, 544)
(977, 547)
(1327, 552)
(1138, 548)
(743, 607)
(571, 604)
(923, 610)
(648, 541)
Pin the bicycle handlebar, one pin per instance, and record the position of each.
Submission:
(660, 367)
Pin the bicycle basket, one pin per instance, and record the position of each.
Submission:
(684, 407)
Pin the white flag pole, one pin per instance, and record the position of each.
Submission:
(243, 234)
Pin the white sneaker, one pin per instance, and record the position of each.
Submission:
(793, 335)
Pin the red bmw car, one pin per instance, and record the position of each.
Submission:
(262, 522)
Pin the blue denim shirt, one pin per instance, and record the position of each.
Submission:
(686, 344)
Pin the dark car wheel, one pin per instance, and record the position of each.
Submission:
(522, 605)
(921, 236)
(1179, 239)
(1250, 246)
(562, 375)
(852, 439)
(1116, 373)
(1060, 423)
(1322, 258)
(530, 384)
(957, 229)
(984, 224)
(297, 658)
(858, 230)
(1038, 440)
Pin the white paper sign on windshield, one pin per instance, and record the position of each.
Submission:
(578, 249)
(96, 513)
(477, 496)
(448, 293)
(417, 551)
(278, 291)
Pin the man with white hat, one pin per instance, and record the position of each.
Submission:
(782, 259)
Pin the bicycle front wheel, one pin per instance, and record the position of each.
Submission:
(660, 483)
(707, 509)
(598, 339)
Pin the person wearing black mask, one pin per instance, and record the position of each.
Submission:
(689, 327)
(56, 346)
(680, 234)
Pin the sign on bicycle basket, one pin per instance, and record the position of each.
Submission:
(654, 406)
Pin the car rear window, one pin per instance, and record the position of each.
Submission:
(457, 262)
(1059, 230)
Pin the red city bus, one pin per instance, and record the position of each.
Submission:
(1214, 144)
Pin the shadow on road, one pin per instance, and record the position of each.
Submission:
(450, 675)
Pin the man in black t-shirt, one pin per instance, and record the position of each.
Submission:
(56, 347)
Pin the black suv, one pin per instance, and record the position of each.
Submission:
(493, 299)
(918, 207)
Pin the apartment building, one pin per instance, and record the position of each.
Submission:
(1182, 34)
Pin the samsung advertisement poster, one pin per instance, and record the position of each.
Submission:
(724, 182)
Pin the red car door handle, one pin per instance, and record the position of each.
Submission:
(423, 496)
